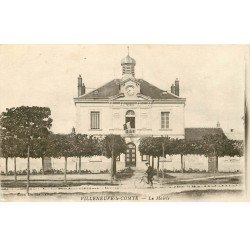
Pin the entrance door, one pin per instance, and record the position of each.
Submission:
(131, 155)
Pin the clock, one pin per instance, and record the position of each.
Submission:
(130, 90)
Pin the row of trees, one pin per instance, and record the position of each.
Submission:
(64, 146)
(25, 132)
(217, 145)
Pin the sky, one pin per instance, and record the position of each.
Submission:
(212, 78)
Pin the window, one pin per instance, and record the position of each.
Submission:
(95, 119)
(164, 120)
(145, 157)
(130, 119)
(118, 158)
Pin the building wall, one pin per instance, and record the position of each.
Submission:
(96, 164)
(147, 122)
(147, 119)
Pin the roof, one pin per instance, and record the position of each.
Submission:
(235, 135)
(112, 89)
(128, 60)
(193, 134)
(148, 89)
(109, 89)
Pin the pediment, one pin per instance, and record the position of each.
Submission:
(130, 81)
(137, 97)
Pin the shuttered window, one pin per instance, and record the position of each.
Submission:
(95, 119)
(164, 120)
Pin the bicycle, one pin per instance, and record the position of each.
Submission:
(143, 182)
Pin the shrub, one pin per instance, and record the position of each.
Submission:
(10, 172)
(106, 171)
(86, 171)
(126, 170)
(54, 171)
(34, 172)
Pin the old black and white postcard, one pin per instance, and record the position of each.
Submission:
(123, 122)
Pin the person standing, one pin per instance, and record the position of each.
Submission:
(150, 174)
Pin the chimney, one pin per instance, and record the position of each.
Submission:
(173, 89)
(177, 87)
(81, 86)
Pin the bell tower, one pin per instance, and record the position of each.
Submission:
(129, 85)
(128, 66)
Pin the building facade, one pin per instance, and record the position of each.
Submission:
(132, 108)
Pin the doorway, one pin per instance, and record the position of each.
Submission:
(130, 160)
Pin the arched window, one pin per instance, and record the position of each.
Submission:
(130, 119)
(130, 113)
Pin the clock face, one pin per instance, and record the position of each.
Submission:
(130, 90)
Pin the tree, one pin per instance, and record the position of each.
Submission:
(39, 148)
(219, 145)
(85, 146)
(113, 146)
(6, 148)
(156, 147)
(61, 145)
(11, 147)
(26, 123)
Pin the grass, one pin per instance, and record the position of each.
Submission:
(58, 183)
(225, 180)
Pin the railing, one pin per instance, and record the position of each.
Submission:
(130, 131)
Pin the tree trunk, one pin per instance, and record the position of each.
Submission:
(28, 172)
(113, 167)
(153, 161)
(6, 166)
(80, 165)
(182, 164)
(65, 170)
(43, 165)
(15, 169)
(158, 166)
(216, 165)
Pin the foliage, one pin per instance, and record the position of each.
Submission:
(22, 126)
(126, 170)
(113, 145)
(25, 121)
(218, 145)
(60, 145)
(159, 146)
